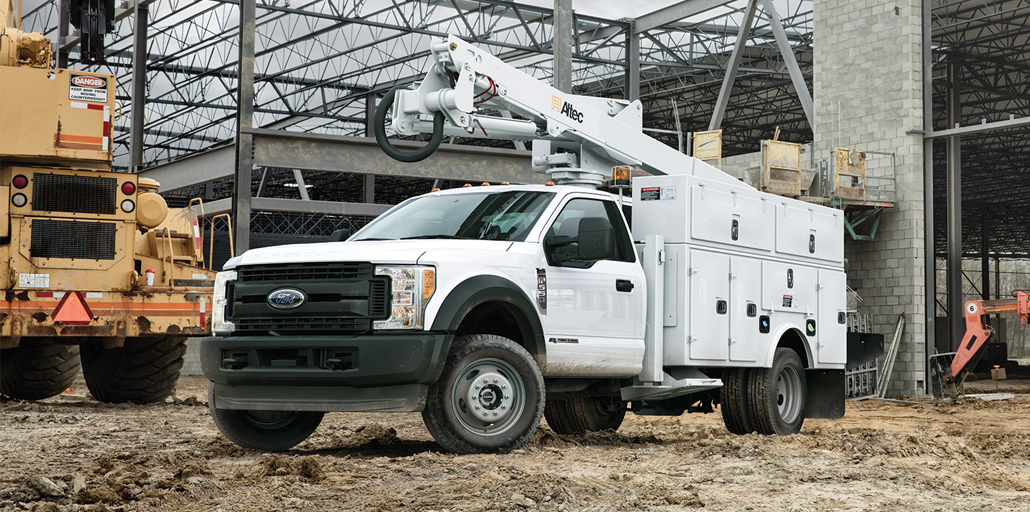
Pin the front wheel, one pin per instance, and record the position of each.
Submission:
(777, 396)
(269, 431)
(490, 398)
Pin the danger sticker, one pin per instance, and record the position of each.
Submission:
(87, 88)
(657, 193)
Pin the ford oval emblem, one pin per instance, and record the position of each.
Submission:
(286, 298)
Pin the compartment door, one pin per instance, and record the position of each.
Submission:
(832, 335)
(745, 297)
(709, 306)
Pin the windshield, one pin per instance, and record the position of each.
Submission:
(505, 215)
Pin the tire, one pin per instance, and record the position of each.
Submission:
(37, 369)
(142, 371)
(734, 402)
(270, 431)
(490, 398)
(579, 414)
(777, 396)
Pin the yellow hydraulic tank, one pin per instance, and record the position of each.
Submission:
(69, 121)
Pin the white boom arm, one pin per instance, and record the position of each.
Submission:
(577, 139)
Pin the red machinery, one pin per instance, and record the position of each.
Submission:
(977, 332)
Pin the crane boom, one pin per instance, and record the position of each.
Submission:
(601, 133)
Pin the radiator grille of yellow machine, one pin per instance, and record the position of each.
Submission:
(74, 194)
(71, 239)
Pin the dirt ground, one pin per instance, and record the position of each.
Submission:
(71, 453)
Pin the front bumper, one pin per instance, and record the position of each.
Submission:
(318, 361)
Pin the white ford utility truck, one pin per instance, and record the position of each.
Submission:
(488, 308)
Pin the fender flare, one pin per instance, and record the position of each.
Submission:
(778, 337)
(478, 290)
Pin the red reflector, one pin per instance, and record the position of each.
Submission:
(128, 188)
(20, 181)
(72, 310)
(44, 295)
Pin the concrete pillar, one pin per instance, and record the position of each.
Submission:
(868, 60)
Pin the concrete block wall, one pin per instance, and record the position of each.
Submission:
(868, 74)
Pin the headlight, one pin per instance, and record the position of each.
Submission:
(412, 287)
(223, 283)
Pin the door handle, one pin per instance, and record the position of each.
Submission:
(623, 285)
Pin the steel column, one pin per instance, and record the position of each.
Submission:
(929, 253)
(139, 86)
(731, 67)
(64, 18)
(985, 261)
(562, 45)
(792, 64)
(955, 306)
(632, 83)
(244, 120)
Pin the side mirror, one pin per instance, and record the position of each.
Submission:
(596, 239)
(339, 235)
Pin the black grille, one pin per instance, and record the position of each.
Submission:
(74, 194)
(306, 271)
(379, 300)
(341, 298)
(304, 324)
(70, 239)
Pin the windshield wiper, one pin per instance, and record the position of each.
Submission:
(370, 239)
(448, 237)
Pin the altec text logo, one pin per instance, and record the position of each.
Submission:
(89, 81)
(564, 107)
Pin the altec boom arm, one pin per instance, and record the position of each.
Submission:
(977, 333)
(577, 139)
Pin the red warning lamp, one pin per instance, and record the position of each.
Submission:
(466, 185)
(20, 181)
(128, 188)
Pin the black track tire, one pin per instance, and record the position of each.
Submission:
(491, 362)
(37, 369)
(270, 431)
(142, 371)
(578, 414)
(733, 401)
(777, 396)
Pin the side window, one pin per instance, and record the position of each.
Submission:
(567, 224)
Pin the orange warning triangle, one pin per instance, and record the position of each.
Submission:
(72, 312)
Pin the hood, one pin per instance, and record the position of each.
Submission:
(386, 251)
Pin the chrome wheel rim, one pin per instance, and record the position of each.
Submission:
(488, 397)
(788, 394)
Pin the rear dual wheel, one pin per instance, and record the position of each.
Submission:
(581, 414)
(765, 400)
(37, 369)
(144, 370)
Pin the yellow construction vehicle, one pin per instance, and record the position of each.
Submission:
(94, 266)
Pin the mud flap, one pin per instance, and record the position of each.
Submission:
(825, 394)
